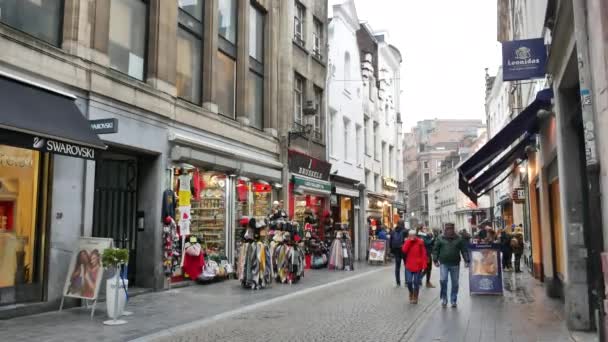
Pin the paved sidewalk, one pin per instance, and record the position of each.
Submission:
(158, 311)
(524, 313)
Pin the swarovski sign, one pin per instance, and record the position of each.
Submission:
(60, 147)
(104, 126)
(524, 59)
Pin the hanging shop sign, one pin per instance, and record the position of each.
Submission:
(42, 144)
(311, 184)
(389, 183)
(104, 126)
(518, 195)
(304, 165)
(523, 59)
(485, 274)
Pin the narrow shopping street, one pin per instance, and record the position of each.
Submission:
(326, 306)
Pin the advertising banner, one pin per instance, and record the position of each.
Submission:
(86, 271)
(523, 59)
(377, 250)
(485, 274)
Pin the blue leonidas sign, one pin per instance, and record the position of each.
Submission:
(524, 59)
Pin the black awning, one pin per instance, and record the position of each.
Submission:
(518, 151)
(36, 118)
(522, 128)
(525, 122)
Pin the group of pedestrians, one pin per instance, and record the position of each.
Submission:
(419, 250)
(511, 243)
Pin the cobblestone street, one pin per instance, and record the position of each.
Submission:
(327, 306)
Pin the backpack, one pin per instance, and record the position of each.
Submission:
(514, 243)
(397, 238)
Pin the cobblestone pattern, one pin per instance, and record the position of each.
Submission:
(156, 311)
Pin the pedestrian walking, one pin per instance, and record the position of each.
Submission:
(397, 237)
(517, 245)
(415, 264)
(429, 241)
(505, 249)
(446, 255)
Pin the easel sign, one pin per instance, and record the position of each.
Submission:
(85, 272)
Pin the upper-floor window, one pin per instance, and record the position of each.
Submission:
(41, 19)
(189, 50)
(346, 141)
(317, 38)
(376, 141)
(365, 137)
(256, 66)
(346, 70)
(425, 164)
(227, 20)
(358, 144)
(298, 23)
(427, 177)
(127, 37)
(225, 73)
(298, 99)
(317, 134)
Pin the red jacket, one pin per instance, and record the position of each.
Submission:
(415, 256)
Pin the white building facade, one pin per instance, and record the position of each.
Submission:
(345, 123)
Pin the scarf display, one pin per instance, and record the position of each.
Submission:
(171, 247)
(341, 253)
(254, 267)
(289, 263)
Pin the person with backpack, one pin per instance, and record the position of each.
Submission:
(446, 256)
(396, 242)
(517, 245)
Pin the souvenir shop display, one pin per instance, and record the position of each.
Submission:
(208, 212)
(288, 258)
(194, 259)
(341, 253)
(216, 269)
(315, 250)
(171, 247)
(254, 265)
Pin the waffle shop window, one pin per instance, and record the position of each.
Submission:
(24, 177)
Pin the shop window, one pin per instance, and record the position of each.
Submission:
(41, 19)
(127, 37)
(21, 221)
(253, 199)
(189, 51)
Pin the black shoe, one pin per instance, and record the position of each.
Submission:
(454, 305)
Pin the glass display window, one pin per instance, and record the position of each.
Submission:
(21, 178)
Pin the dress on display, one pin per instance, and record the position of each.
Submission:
(341, 254)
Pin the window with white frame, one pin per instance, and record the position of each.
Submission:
(376, 141)
(298, 24)
(332, 134)
(317, 36)
(346, 139)
(298, 99)
(365, 137)
(358, 144)
(346, 70)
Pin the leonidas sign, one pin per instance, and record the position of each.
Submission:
(304, 165)
(523, 59)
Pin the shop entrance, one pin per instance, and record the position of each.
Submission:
(115, 205)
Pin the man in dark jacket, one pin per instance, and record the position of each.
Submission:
(397, 237)
(517, 246)
(505, 248)
(446, 255)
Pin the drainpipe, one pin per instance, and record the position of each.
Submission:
(594, 219)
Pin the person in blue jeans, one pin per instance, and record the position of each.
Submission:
(446, 255)
(397, 238)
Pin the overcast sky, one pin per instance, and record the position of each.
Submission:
(445, 45)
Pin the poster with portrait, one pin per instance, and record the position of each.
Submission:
(86, 271)
(485, 274)
(377, 249)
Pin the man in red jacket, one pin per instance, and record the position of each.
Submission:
(415, 263)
